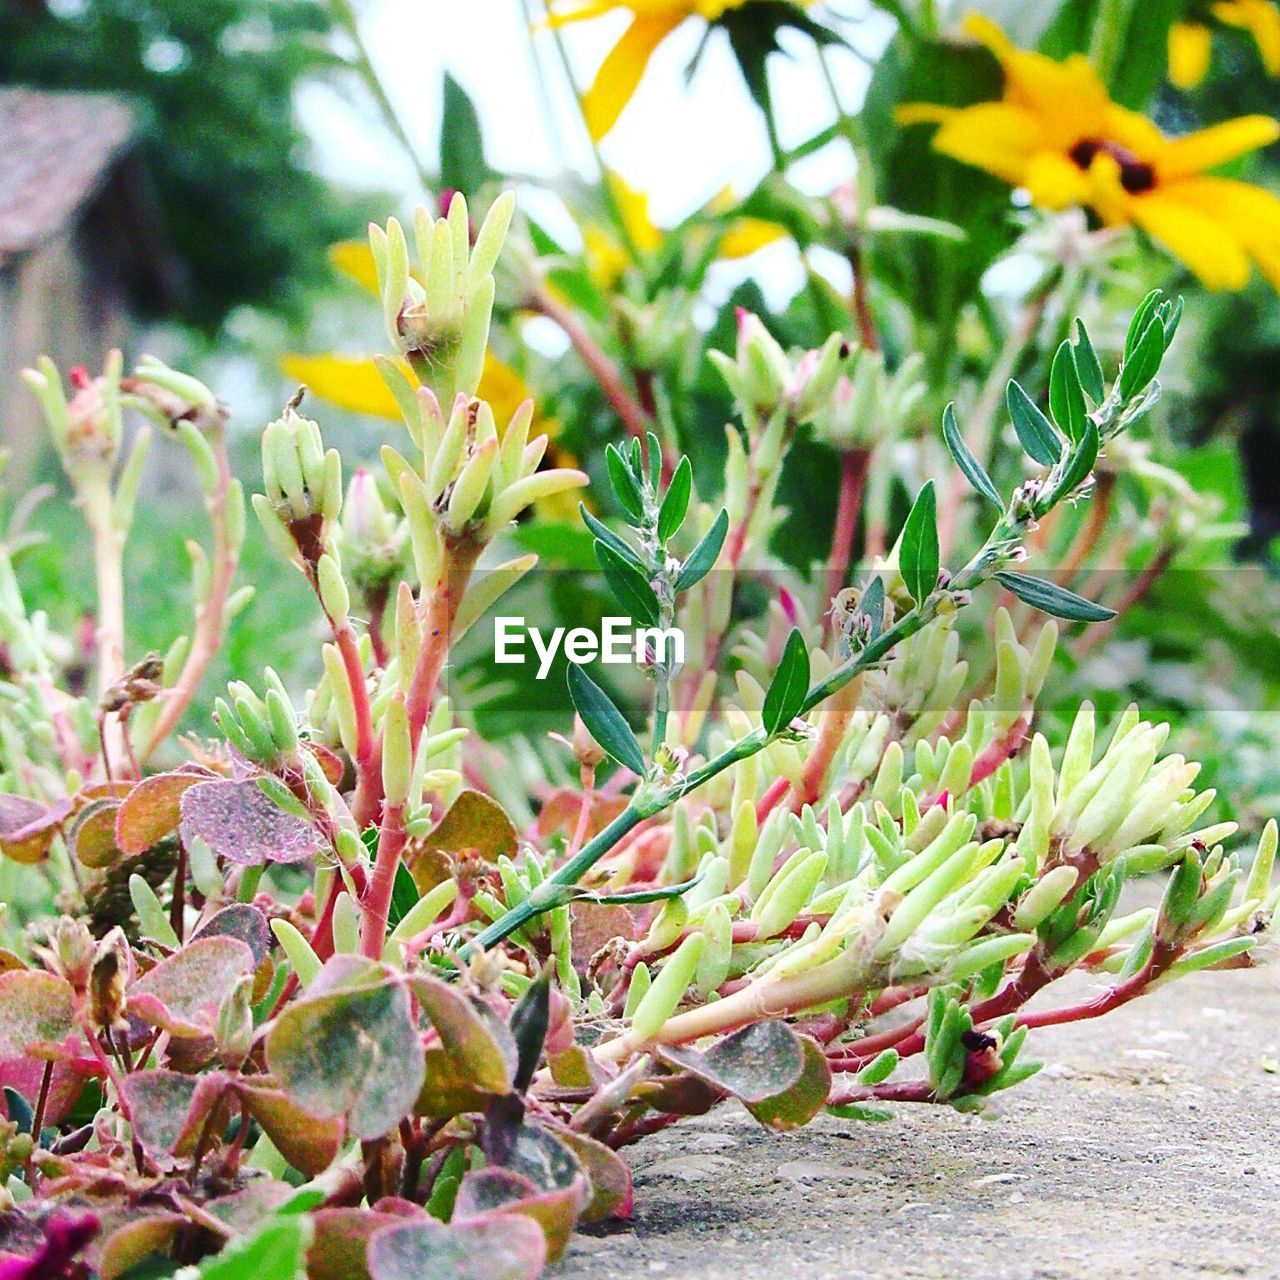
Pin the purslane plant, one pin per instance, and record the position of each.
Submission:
(315, 998)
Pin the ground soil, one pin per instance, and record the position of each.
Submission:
(1148, 1147)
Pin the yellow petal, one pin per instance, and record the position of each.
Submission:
(353, 383)
(995, 136)
(354, 259)
(1054, 182)
(633, 208)
(1208, 148)
(350, 382)
(1250, 214)
(746, 236)
(620, 73)
(1190, 48)
(1201, 242)
(1261, 19)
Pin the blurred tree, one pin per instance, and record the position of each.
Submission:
(213, 86)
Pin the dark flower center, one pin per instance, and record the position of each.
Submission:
(1136, 175)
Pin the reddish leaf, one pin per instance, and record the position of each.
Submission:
(804, 1099)
(239, 823)
(93, 835)
(153, 809)
(480, 1047)
(475, 826)
(35, 1011)
(339, 1246)
(308, 1142)
(507, 1248)
(171, 1110)
(182, 993)
(27, 827)
(132, 1242)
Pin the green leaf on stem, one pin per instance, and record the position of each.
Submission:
(918, 555)
(462, 162)
(1035, 431)
(973, 470)
(676, 503)
(1141, 318)
(1088, 366)
(703, 557)
(789, 686)
(1048, 597)
(1143, 363)
(604, 722)
(1066, 396)
(630, 586)
(610, 539)
(625, 486)
(1079, 464)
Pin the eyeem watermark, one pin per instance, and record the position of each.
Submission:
(620, 642)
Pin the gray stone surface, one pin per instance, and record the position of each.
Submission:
(1147, 1147)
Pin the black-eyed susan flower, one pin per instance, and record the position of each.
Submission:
(1056, 133)
(1191, 41)
(624, 66)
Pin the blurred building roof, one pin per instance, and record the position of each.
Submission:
(56, 152)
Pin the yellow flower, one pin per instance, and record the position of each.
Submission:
(1189, 42)
(607, 257)
(620, 74)
(1056, 133)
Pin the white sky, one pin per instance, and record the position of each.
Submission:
(679, 145)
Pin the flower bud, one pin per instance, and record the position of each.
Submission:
(373, 540)
(108, 978)
(303, 483)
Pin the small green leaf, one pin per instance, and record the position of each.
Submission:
(462, 163)
(918, 555)
(629, 585)
(19, 1109)
(1035, 431)
(676, 503)
(1066, 396)
(604, 722)
(1079, 464)
(789, 686)
(1170, 314)
(404, 896)
(277, 1250)
(1088, 366)
(1141, 317)
(609, 538)
(625, 487)
(1048, 597)
(973, 470)
(1144, 362)
(872, 604)
(703, 557)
